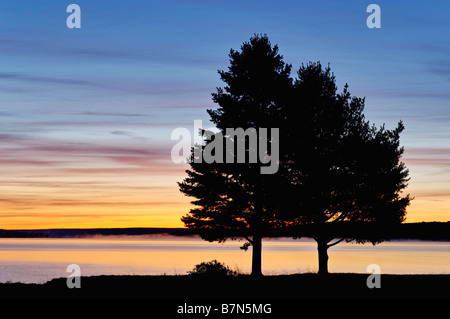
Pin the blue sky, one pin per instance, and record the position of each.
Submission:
(99, 103)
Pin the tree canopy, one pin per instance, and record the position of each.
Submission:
(235, 199)
(343, 169)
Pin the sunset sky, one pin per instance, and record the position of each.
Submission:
(86, 114)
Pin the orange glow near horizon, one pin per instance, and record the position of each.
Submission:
(167, 217)
(130, 200)
(141, 193)
(162, 208)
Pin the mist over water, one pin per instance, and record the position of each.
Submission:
(37, 260)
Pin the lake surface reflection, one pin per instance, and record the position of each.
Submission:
(41, 259)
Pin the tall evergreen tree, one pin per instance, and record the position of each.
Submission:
(347, 174)
(236, 200)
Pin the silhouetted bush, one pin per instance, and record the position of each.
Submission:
(212, 268)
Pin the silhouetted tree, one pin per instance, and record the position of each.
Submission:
(346, 173)
(236, 200)
(339, 177)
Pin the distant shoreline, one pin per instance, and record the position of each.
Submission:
(89, 232)
(438, 231)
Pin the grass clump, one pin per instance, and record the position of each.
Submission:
(212, 268)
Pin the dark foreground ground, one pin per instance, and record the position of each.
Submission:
(283, 287)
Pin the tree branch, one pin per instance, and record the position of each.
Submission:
(331, 216)
(341, 217)
(335, 243)
(337, 219)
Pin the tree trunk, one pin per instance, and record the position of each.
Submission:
(256, 256)
(322, 249)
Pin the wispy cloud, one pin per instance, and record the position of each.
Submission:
(427, 156)
(46, 79)
(107, 84)
(123, 133)
(97, 113)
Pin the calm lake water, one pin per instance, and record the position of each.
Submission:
(38, 260)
